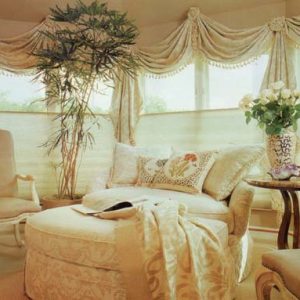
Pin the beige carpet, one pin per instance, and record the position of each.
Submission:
(263, 242)
(12, 265)
(12, 286)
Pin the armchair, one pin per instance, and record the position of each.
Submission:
(13, 209)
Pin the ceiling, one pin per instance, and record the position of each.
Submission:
(144, 12)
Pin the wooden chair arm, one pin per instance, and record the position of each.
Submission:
(34, 194)
(265, 280)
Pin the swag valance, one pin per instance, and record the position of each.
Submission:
(198, 36)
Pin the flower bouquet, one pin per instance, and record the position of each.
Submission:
(276, 109)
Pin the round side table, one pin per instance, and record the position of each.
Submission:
(288, 191)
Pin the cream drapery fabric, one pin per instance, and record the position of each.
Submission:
(201, 36)
(280, 65)
(15, 52)
(125, 107)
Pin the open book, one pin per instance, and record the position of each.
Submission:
(108, 206)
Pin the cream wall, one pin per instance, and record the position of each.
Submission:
(251, 17)
(292, 8)
(242, 18)
(12, 28)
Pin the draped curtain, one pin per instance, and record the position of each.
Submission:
(200, 36)
(15, 52)
(197, 36)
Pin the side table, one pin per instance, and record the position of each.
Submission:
(288, 191)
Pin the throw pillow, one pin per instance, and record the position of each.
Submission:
(184, 172)
(125, 163)
(148, 169)
(231, 165)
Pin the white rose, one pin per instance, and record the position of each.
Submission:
(248, 98)
(296, 93)
(246, 102)
(273, 97)
(286, 93)
(277, 85)
(263, 100)
(291, 101)
(266, 93)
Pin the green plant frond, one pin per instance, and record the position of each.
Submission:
(93, 46)
(67, 15)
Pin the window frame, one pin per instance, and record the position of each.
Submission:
(49, 108)
(25, 74)
(201, 88)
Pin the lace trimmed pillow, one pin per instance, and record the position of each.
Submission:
(184, 172)
(125, 162)
(148, 169)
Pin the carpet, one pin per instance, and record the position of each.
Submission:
(263, 242)
(12, 286)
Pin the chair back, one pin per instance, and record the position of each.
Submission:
(8, 181)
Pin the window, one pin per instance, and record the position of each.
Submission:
(101, 97)
(173, 93)
(200, 85)
(226, 87)
(21, 93)
(296, 61)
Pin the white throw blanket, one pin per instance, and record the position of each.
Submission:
(165, 254)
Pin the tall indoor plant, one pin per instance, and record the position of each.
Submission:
(86, 43)
(276, 110)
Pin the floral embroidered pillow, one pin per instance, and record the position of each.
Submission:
(148, 169)
(184, 172)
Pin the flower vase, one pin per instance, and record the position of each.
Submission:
(281, 149)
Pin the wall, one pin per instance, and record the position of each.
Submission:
(251, 17)
(292, 8)
(243, 18)
(13, 28)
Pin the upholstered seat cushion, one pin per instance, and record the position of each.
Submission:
(201, 205)
(13, 207)
(287, 264)
(67, 235)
